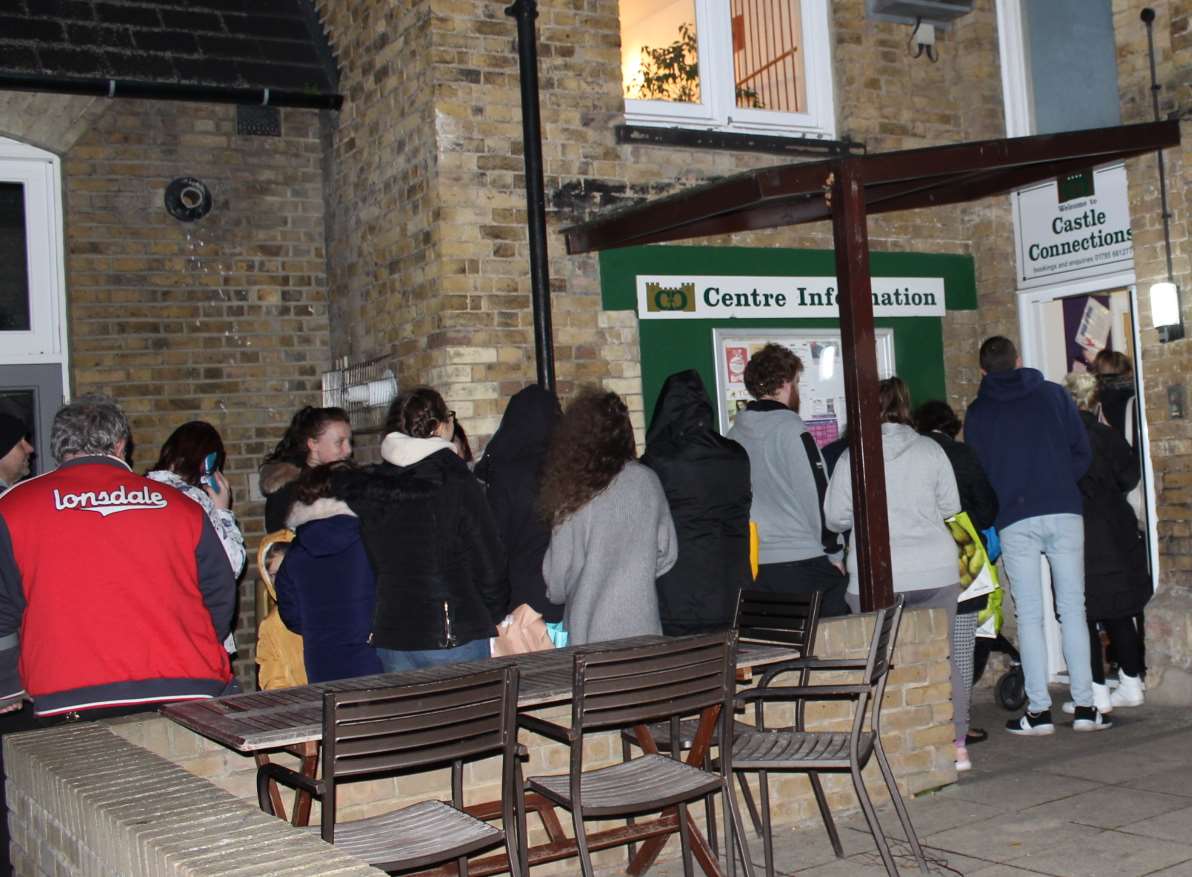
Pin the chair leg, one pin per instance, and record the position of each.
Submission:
(581, 844)
(632, 848)
(685, 841)
(522, 844)
(822, 801)
(754, 816)
(899, 806)
(735, 828)
(875, 827)
(767, 828)
(710, 814)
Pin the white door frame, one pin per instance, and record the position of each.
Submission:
(1032, 355)
(41, 173)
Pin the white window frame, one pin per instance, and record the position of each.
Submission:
(39, 173)
(718, 110)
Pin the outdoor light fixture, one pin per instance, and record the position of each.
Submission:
(1166, 309)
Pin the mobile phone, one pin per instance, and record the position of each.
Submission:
(208, 474)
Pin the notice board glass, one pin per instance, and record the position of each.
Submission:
(821, 384)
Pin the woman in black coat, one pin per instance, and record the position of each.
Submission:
(1116, 583)
(706, 480)
(511, 468)
(431, 539)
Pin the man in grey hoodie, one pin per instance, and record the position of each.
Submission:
(796, 552)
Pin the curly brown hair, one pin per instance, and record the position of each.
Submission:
(417, 413)
(591, 444)
(769, 369)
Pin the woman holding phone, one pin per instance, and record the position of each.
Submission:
(192, 461)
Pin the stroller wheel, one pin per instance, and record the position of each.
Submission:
(1010, 690)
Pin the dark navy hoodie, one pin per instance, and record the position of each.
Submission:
(1031, 443)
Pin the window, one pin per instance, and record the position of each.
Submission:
(754, 66)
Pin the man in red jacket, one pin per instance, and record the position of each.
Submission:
(115, 593)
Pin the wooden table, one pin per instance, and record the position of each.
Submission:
(291, 719)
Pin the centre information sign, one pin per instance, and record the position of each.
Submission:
(678, 297)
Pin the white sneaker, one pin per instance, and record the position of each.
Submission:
(1103, 700)
(1128, 692)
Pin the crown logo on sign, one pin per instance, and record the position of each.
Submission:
(663, 298)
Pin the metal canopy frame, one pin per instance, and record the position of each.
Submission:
(846, 191)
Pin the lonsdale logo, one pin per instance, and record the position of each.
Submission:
(109, 503)
(676, 298)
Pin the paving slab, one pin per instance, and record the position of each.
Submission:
(1174, 825)
(1106, 854)
(1111, 807)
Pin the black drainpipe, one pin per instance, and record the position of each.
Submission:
(125, 88)
(525, 11)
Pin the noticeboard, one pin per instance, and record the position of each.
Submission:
(821, 385)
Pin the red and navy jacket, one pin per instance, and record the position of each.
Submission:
(114, 591)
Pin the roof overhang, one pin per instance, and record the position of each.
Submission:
(930, 177)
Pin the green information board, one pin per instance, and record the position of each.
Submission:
(671, 345)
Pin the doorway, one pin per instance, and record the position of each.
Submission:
(1062, 327)
(32, 299)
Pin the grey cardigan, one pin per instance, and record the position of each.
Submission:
(604, 558)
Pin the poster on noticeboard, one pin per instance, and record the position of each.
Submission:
(821, 384)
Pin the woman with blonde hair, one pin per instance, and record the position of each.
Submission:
(1116, 583)
(611, 528)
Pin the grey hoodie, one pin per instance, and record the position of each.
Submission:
(783, 467)
(920, 493)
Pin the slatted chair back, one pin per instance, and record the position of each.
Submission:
(618, 688)
(407, 728)
(774, 617)
(879, 663)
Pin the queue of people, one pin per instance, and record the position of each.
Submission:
(421, 558)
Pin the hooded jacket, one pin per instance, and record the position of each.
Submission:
(1030, 441)
(921, 492)
(327, 593)
(706, 480)
(788, 479)
(433, 544)
(511, 469)
(1116, 581)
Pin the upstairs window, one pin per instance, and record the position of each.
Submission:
(753, 66)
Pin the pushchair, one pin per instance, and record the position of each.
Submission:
(1010, 688)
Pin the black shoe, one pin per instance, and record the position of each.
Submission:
(1088, 718)
(1033, 724)
(975, 735)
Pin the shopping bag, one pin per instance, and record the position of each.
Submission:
(977, 574)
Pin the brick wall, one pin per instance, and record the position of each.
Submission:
(916, 724)
(83, 801)
(223, 319)
(445, 281)
(1169, 616)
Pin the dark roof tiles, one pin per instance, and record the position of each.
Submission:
(277, 44)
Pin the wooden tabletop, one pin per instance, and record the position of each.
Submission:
(286, 716)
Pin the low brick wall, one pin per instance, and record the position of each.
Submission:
(916, 723)
(83, 801)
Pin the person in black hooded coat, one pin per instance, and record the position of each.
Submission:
(511, 469)
(706, 480)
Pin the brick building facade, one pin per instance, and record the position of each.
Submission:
(395, 227)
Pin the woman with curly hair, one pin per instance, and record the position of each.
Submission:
(611, 528)
(315, 437)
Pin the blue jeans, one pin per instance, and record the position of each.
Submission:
(395, 661)
(1061, 539)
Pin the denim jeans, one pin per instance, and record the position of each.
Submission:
(395, 661)
(1061, 539)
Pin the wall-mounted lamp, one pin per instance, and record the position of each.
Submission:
(1166, 310)
(1166, 307)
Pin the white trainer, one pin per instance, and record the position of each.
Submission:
(1128, 693)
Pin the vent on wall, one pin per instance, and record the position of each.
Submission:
(940, 13)
(363, 389)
